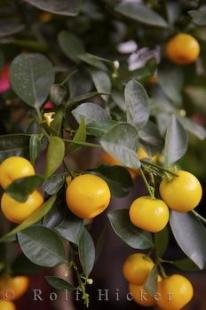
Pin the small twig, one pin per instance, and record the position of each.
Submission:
(149, 188)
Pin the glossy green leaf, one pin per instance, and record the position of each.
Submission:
(11, 145)
(141, 13)
(102, 82)
(35, 217)
(34, 146)
(150, 284)
(190, 235)
(176, 141)
(185, 264)
(31, 78)
(89, 112)
(71, 229)
(161, 241)
(42, 246)
(86, 252)
(80, 135)
(60, 7)
(55, 155)
(93, 61)
(137, 104)
(199, 16)
(59, 284)
(194, 128)
(171, 82)
(21, 188)
(121, 142)
(71, 45)
(97, 129)
(118, 179)
(131, 235)
(56, 124)
(54, 183)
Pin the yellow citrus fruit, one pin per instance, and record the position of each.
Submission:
(174, 292)
(182, 49)
(13, 168)
(141, 296)
(87, 196)
(149, 214)
(17, 212)
(136, 268)
(182, 193)
(7, 305)
(12, 288)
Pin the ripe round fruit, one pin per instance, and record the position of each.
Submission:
(183, 193)
(136, 268)
(14, 168)
(7, 305)
(141, 296)
(149, 214)
(182, 49)
(174, 292)
(12, 288)
(87, 196)
(17, 212)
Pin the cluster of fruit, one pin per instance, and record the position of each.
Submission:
(173, 292)
(11, 289)
(12, 169)
(181, 192)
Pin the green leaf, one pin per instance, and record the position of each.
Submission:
(35, 217)
(80, 83)
(80, 135)
(131, 235)
(118, 179)
(71, 103)
(176, 141)
(190, 235)
(161, 241)
(93, 61)
(63, 7)
(150, 284)
(192, 127)
(31, 78)
(141, 13)
(56, 124)
(11, 145)
(171, 82)
(71, 229)
(137, 104)
(199, 16)
(55, 155)
(89, 112)
(121, 142)
(42, 246)
(34, 146)
(97, 129)
(150, 135)
(102, 82)
(86, 252)
(71, 45)
(54, 183)
(185, 264)
(21, 188)
(10, 27)
(59, 284)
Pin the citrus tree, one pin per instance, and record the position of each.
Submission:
(123, 80)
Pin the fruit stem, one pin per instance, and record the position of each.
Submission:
(149, 188)
(145, 162)
(162, 271)
(198, 216)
